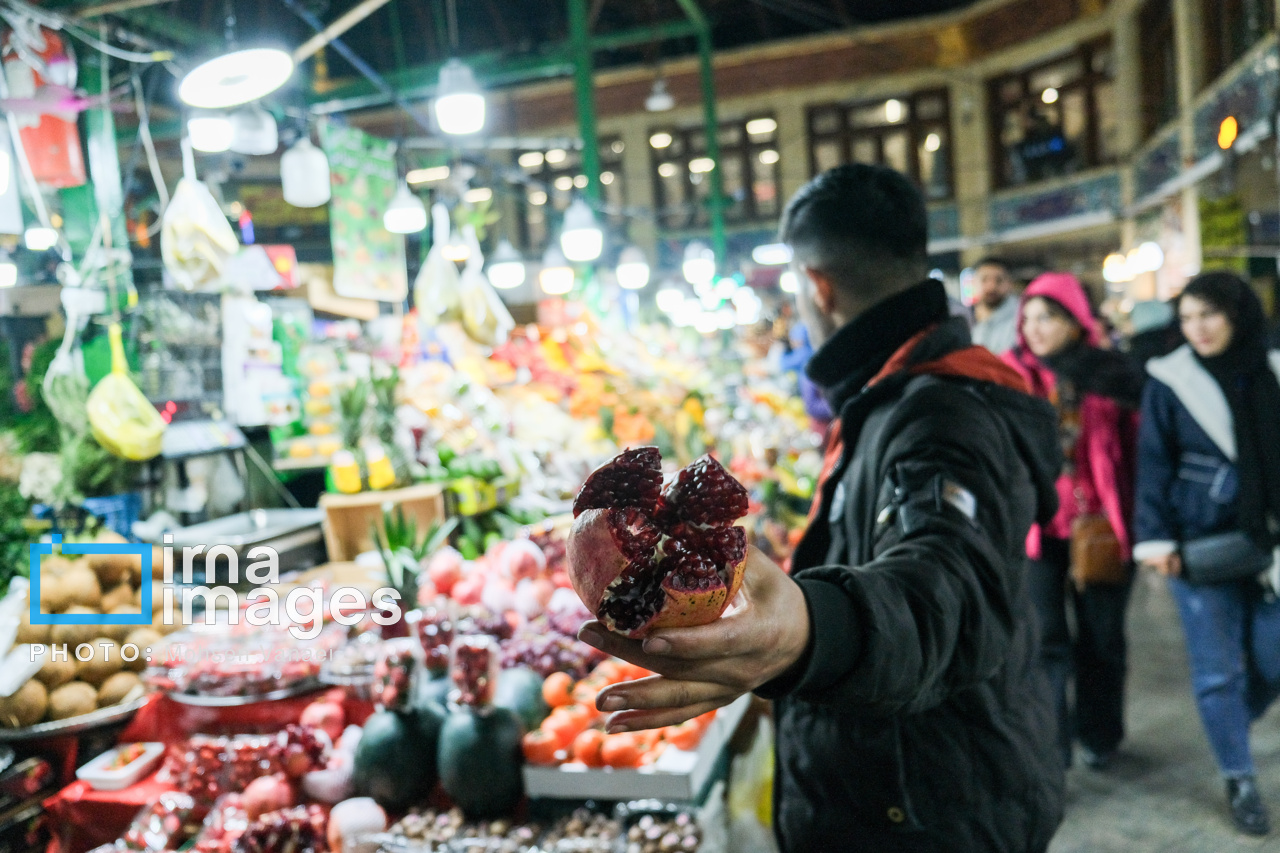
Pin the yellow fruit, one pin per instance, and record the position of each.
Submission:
(26, 707)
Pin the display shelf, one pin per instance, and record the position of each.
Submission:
(306, 463)
(676, 776)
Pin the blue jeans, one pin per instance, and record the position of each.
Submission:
(1233, 646)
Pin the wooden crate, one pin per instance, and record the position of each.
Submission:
(349, 519)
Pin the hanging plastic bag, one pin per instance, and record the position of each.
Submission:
(484, 317)
(196, 240)
(750, 801)
(435, 290)
(122, 418)
(65, 386)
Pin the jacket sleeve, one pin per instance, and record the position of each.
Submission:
(933, 612)
(1155, 520)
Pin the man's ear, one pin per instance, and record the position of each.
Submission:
(824, 289)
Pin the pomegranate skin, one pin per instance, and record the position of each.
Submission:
(596, 561)
(594, 557)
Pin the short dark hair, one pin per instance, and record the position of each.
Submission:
(854, 213)
(995, 261)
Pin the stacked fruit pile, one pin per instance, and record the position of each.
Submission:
(70, 684)
(573, 732)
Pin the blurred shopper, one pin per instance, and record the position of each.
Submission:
(1096, 393)
(995, 313)
(1209, 511)
(1156, 331)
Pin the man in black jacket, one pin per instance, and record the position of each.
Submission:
(911, 715)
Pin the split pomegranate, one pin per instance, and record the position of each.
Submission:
(642, 556)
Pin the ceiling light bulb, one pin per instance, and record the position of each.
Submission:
(210, 132)
(893, 110)
(788, 282)
(582, 240)
(661, 139)
(304, 175)
(659, 100)
(633, 269)
(236, 78)
(669, 299)
(428, 175)
(761, 126)
(8, 272)
(699, 264)
(459, 104)
(39, 239)
(506, 267)
(771, 254)
(531, 159)
(406, 214)
(1115, 268)
(932, 143)
(254, 131)
(556, 277)
(1049, 96)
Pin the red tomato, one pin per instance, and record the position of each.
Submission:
(587, 747)
(557, 689)
(540, 747)
(621, 750)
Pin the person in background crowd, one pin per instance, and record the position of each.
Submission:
(1096, 393)
(1209, 463)
(912, 715)
(995, 313)
(1156, 331)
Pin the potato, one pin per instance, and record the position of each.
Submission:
(144, 639)
(26, 707)
(56, 673)
(72, 700)
(104, 663)
(116, 688)
(82, 587)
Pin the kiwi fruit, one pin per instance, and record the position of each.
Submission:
(116, 688)
(73, 635)
(105, 663)
(119, 594)
(56, 673)
(25, 707)
(28, 633)
(143, 638)
(55, 595)
(72, 700)
(82, 587)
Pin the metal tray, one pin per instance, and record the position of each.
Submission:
(76, 725)
(256, 527)
(309, 685)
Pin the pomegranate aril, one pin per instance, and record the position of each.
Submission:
(631, 479)
(705, 493)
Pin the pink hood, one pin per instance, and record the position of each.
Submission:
(1066, 290)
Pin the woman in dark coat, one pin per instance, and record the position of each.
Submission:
(1209, 464)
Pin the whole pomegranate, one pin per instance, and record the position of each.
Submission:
(642, 556)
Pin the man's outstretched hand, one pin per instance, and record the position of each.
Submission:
(703, 668)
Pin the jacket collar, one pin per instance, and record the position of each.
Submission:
(844, 365)
(1201, 395)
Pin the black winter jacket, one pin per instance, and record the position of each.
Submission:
(918, 719)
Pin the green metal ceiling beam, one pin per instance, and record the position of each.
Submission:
(719, 242)
(171, 27)
(584, 94)
(493, 68)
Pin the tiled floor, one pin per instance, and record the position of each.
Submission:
(1163, 794)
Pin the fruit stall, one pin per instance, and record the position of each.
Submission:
(306, 488)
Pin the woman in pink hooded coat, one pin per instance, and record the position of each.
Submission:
(1096, 393)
